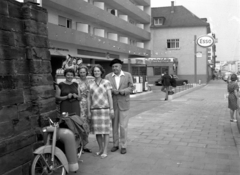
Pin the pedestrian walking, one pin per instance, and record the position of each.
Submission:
(173, 84)
(100, 108)
(166, 83)
(122, 84)
(233, 101)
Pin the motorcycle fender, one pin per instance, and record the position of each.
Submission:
(58, 153)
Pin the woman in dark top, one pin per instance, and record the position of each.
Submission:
(166, 83)
(233, 97)
(68, 93)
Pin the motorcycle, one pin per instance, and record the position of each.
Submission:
(51, 158)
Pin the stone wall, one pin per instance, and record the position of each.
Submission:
(26, 84)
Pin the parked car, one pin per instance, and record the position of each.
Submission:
(179, 82)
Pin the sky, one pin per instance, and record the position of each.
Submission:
(224, 19)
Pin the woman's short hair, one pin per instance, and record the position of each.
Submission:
(82, 67)
(69, 70)
(101, 69)
(234, 77)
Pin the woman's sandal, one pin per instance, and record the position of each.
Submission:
(98, 153)
(103, 156)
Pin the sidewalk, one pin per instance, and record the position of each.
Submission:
(188, 135)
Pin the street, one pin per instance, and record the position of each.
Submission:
(191, 135)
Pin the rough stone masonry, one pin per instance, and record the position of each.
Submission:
(26, 84)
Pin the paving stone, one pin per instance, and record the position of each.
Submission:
(160, 142)
(172, 138)
(197, 145)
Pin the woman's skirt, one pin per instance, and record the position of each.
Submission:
(232, 102)
(100, 121)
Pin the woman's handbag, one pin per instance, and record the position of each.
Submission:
(225, 96)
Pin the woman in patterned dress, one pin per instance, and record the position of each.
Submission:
(100, 108)
(83, 88)
(233, 97)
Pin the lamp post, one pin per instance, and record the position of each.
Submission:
(195, 59)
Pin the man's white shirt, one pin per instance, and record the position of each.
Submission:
(117, 78)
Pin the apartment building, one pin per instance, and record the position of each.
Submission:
(98, 31)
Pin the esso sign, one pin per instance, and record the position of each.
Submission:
(205, 41)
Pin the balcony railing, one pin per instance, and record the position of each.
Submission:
(78, 38)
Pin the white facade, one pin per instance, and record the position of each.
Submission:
(185, 52)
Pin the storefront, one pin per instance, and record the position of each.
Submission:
(157, 66)
(138, 69)
(60, 51)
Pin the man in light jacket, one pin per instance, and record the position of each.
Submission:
(122, 86)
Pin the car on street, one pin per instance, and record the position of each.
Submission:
(179, 82)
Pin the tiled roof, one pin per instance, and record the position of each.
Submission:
(181, 17)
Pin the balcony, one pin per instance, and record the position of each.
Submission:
(143, 2)
(78, 38)
(130, 9)
(93, 14)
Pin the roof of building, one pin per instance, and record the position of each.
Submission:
(178, 16)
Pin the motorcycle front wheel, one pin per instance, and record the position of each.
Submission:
(41, 165)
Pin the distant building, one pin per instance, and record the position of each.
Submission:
(217, 66)
(230, 66)
(237, 66)
(173, 29)
(98, 31)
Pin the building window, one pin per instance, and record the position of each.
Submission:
(64, 22)
(160, 70)
(132, 42)
(158, 21)
(173, 43)
(136, 70)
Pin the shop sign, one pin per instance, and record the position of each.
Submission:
(205, 41)
(140, 61)
(134, 61)
(161, 59)
(199, 54)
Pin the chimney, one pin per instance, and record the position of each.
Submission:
(172, 6)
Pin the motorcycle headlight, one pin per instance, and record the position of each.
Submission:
(44, 130)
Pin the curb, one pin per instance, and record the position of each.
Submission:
(179, 94)
(137, 95)
(236, 136)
